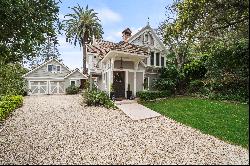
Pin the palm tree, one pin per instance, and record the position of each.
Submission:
(81, 26)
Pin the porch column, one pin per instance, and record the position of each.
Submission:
(126, 83)
(148, 61)
(154, 58)
(134, 83)
(112, 60)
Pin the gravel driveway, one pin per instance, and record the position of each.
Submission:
(58, 130)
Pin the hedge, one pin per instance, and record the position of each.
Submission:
(8, 104)
(98, 98)
(151, 95)
(72, 90)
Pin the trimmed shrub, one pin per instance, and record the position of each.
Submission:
(151, 95)
(72, 89)
(98, 98)
(8, 104)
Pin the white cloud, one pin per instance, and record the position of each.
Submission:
(106, 15)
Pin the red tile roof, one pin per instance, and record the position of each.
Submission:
(102, 47)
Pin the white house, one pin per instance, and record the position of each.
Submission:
(52, 77)
(131, 63)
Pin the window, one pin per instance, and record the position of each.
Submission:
(72, 83)
(58, 68)
(54, 68)
(50, 68)
(162, 61)
(152, 58)
(146, 37)
(157, 59)
(146, 83)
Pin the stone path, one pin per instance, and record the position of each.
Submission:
(136, 111)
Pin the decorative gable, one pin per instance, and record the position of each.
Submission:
(147, 37)
(51, 68)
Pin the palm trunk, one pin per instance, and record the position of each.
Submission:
(84, 51)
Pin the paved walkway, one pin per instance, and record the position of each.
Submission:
(136, 111)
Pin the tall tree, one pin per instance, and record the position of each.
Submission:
(192, 23)
(81, 26)
(45, 52)
(24, 25)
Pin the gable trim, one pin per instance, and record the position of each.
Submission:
(76, 70)
(132, 38)
(43, 64)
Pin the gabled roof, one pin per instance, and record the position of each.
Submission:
(132, 38)
(43, 64)
(102, 47)
(73, 71)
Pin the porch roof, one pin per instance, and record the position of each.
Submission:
(102, 48)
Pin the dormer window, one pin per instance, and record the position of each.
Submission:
(58, 68)
(54, 68)
(146, 37)
(50, 68)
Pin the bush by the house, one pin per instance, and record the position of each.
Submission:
(151, 95)
(168, 79)
(98, 98)
(11, 80)
(8, 104)
(72, 89)
(195, 86)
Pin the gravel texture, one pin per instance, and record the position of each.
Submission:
(58, 130)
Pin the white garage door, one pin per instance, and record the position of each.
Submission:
(56, 87)
(46, 87)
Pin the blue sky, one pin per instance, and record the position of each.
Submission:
(115, 16)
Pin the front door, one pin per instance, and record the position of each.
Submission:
(119, 84)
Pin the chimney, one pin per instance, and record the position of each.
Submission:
(126, 34)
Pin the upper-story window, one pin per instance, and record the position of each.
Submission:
(58, 68)
(152, 58)
(157, 59)
(146, 37)
(50, 68)
(54, 68)
(162, 61)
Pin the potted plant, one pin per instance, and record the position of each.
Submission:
(129, 92)
(112, 92)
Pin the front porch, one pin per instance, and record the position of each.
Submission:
(123, 72)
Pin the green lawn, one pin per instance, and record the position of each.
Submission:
(226, 121)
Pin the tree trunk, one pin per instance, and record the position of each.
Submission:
(84, 51)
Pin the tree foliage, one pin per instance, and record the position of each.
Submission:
(45, 52)
(217, 30)
(81, 26)
(25, 24)
(11, 81)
